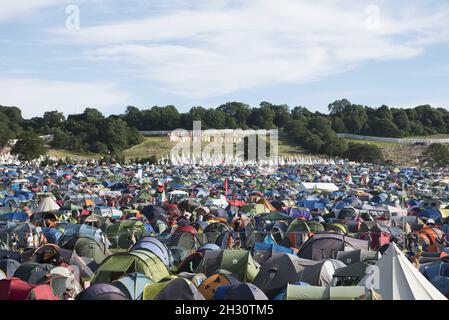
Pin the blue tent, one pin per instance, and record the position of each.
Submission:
(430, 213)
(74, 231)
(53, 235)
(311, 204)
(14, 216)
(299, 213)
(209, 246)
(442, 284)
(155, 246)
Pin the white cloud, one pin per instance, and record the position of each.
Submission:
(211, 51)
(35, 97)
(11, 9)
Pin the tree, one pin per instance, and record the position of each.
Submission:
(237, 110)
(437, 154)
(385, 128)
(338, 125)
(61, 139)
(339, 106)
(54, 119)
(313, 143)
(402, 121)
(29, 147)
(384, 113)
(261, 118)
(364, 153)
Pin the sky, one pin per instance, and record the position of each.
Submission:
(68, 55)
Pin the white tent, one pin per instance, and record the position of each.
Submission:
(398, 279)
(327, 187)
(47, 205)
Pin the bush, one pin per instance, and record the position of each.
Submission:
(364, 153)
(29, 147)
(437, 154)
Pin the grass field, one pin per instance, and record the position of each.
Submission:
(376, 143)
(62, 154)
(159, 146)
(434, 136)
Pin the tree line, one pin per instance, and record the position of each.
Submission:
(316, 132)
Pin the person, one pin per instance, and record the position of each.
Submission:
(29, 240)
(14, 241)
(230, 242)
(238, 243)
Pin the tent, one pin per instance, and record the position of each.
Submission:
(120, 233)
(262, 251)
(296, 292)
(277, 272)
(179, 289)
(398, 279)
(74, 231)
(317, 273)
(311, 187)
(132, 285)
(86, 247)
(101, 291)
(326, 245)
(9, 266)
(121, 264)
(240, 291)
(238, 262)
(47, 205)
(14, 289)
(154, 245)
(208, 287)
(34, 273)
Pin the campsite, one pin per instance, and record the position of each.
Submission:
(306, 230)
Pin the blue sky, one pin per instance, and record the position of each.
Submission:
(208, 52)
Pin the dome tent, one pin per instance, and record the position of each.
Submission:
(121, 264)
(238, 262)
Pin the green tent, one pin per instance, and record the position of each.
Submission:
(120, 233)
(276, 215)
(253, 209)
(303, 226)
(121, 264)
(297, 292)
(238, 262)
(86, 247)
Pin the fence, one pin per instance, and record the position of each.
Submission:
(392, 140)
(155, 133)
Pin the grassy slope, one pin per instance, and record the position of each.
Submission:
(376, 143)
(158, 146)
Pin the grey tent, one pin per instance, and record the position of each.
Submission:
(319, 274)
(323, 246)
(353, 272)
(132, 285)
(9, 266)
(101, 291)
(179, 289)
(157, 247)
(277, 272)
(353, 256)
(240, 291)
(34, 273)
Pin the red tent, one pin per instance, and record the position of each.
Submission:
(186, 228)
(14, 289)
(42, 292)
